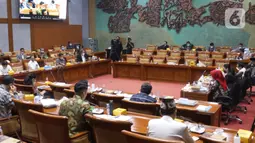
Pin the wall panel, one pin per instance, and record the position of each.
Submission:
(21, 36)
(15, 8)
(4, 40)
(85, 22)
(75, 12)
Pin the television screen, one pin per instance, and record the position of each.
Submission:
(43, 9)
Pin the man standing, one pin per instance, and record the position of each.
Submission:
(164, 46)
(75, 108)
(119, 47)
(130, 46)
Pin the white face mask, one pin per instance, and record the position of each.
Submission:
(211, 46)
(188, 44)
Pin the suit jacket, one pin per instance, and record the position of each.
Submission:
(79, 57)
(166, 127)
(163, 47)
(185, 47)
(19, 57)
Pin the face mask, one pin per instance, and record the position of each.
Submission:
(211, 46)
(188, 44)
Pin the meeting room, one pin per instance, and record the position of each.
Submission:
(127, 71)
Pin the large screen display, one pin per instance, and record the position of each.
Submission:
(43, 9)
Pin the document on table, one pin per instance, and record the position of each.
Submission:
(117, 118)
(48, 103)
(203, 108)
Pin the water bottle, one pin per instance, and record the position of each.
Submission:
(111, 107)
(237, 139)
(37, 99)
(92, 86)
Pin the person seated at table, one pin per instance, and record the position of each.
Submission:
(24, 5)
(211, 48)
(61, 61)
(6, 89)
(82, 56)
(188, 46)
(218, 86)
(32, 3)
(76, 107)
(130, 45)
(1, 52)
(241, 70)
(144, 95)
(43, 54)
(166, 126)
(164, 46)
(22, 55)
(229, 74)
(69, 45)
(32, 64)
(5, 68)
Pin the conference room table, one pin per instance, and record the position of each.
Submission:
(71, 73)
(161, 72)
(140, 123)
(196, 95)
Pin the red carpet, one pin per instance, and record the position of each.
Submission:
(168, 89)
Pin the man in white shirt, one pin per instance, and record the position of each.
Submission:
(5, 68)
(32, 64)
(166, 126)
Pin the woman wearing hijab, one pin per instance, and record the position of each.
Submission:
(218, 86)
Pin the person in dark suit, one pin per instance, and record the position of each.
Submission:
(211, 48)
(229, 75)
(82, 56)
(113, 53)
(119, 47)
(144, 95)
(188, 46)
(164, 46)
(69, 45)
(130, 46)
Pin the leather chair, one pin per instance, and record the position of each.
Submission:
(137, 138)
(10, 126)
(18, 81)
(159, 60)
(50, 62)
(27, 122)
(27, 89)
(221, 63)
(54, 129)
(217, 55)
(139, 107)
(102, 100)
(203, 54)
(232, 55)
(145, 59)
(190, 54)
(175, 54)
(108, 131)
(206, 62)
(17, 66)
(58, 91)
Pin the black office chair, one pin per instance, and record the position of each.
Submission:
(229, 103)
(253, 125)
(248, 75)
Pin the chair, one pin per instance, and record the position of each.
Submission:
(8, 53)
(102, 100)
(17, 66)
(10, 126)
(190, 54)
(217, 55)
(136, 52)
(18, 81)
(225, 49)
(26, 89)
(203, 54)
(108, 131)
(175, 48)
(50, 62)
(58, 91)
(140, 107)
(131, 59)
(220, 63)
(54, 129)
(148, 52)
(159, 60)
(232, 55)
(27, 122)
(191, 61)
(176, 54)
(151, 47)
(89, 51)
(54, 54)
(137, 138)
(70, 59)
(206, 62)
(174, 60)
(14, 59)
(145, 59)
(162, 53)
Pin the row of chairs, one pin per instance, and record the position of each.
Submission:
(191, 61)
(201, 54)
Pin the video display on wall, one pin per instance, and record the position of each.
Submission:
(43, 9)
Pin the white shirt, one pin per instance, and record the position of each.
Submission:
(33, 65)
(83, 57)
(166, 127)
(4, 71)
(243, 70)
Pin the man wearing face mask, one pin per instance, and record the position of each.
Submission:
(164, 46)
(188, 46)
(211, 48)
(69, 45)
(6, 89)
(5, 68)
(22, 56)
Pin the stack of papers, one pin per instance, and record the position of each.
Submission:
(48, 103)
(203, 108)
(185, 101)
(116, 118)
(61, 84)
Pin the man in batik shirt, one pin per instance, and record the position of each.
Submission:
(75, 108)
(6, 103)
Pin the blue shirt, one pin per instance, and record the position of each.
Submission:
(143, 97)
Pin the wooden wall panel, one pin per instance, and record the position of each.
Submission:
(47, 35)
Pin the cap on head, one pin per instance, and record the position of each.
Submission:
(8, 80)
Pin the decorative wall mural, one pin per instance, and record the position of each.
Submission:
(175, 14)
